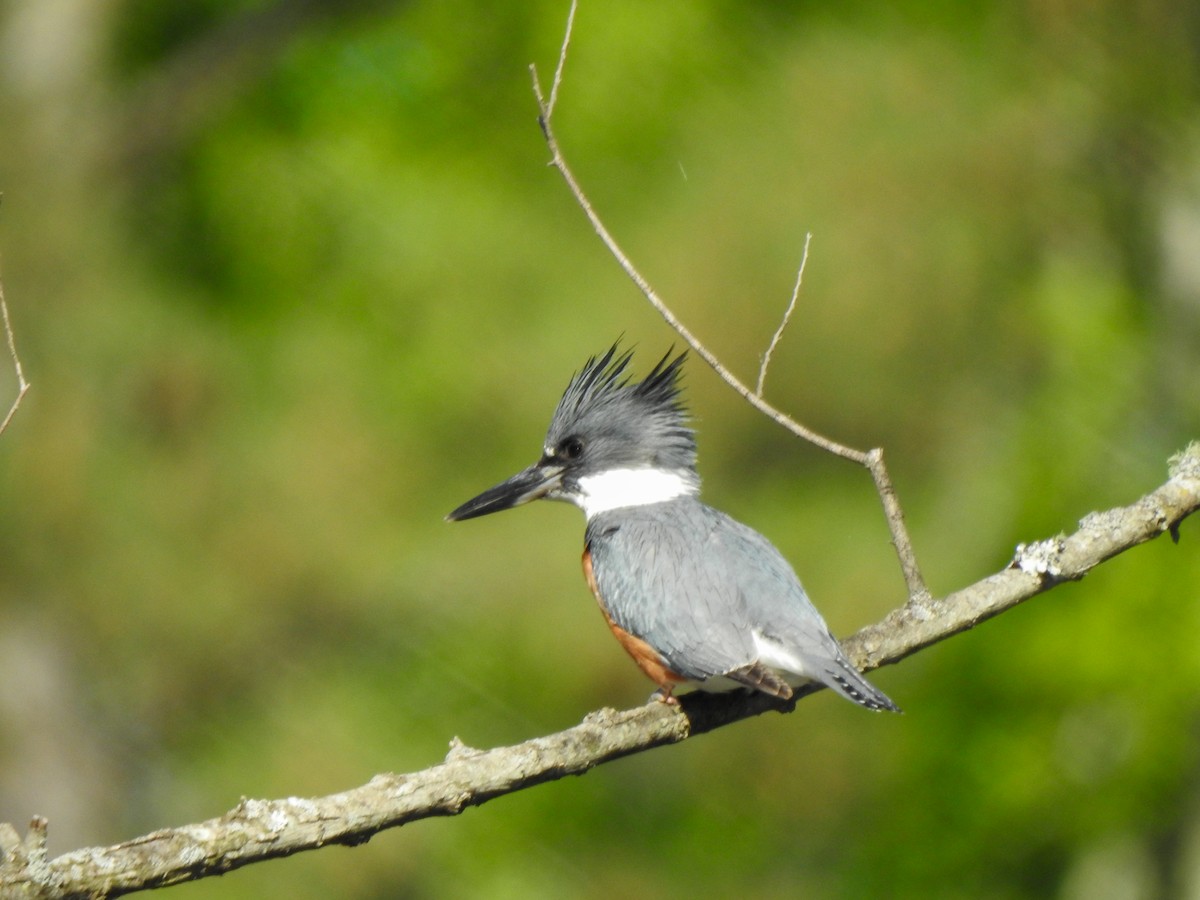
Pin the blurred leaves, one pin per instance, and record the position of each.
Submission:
(291, 281)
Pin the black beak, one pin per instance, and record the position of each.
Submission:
(529, 484)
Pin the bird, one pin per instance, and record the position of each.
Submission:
(695, 597)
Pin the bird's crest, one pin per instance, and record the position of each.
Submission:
(650, 414)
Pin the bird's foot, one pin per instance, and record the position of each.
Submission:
(663, 695)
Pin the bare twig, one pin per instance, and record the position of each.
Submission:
(257, 830)
(562, 61)
(22, 384)
(787, 316)
(872, 460)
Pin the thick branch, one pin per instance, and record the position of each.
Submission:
(263, 829)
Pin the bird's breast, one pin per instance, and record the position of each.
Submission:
(647, 658)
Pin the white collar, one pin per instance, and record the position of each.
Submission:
(621, 488)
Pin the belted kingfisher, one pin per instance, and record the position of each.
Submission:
(693, 596)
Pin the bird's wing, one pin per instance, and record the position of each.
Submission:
(789, 633)
(714, 598)
(777, 605)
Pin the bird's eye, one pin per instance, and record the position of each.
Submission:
(570, 448)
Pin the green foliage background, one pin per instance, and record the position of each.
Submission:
(291, 281)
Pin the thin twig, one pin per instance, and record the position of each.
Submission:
(872, 460)
(558, 162)
(787, 316)
(562, 61)
(22, 384)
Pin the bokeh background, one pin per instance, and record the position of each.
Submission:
(291, 280)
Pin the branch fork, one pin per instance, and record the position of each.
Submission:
(872, 460)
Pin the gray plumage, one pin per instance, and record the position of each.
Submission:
(692, 594)
(698, 586)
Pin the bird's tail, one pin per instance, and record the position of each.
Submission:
(849, 682)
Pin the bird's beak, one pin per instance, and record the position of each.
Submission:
(529, 484)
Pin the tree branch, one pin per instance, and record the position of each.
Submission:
(787, 317)
(257, 830)
(872, 460)
(22, 384)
